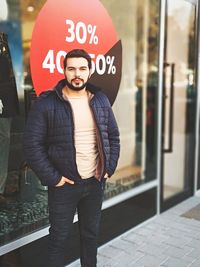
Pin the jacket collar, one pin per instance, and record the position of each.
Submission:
(62, 83)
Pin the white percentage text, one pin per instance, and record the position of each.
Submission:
(100, 63)
(81, 32)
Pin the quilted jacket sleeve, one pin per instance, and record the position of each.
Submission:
(113, 136)
(35, 146)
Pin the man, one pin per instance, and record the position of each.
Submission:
(71, 141)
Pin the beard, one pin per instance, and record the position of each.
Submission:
(76, 88)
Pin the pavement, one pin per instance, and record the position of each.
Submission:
(171, 239)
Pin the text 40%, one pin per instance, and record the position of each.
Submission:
(80, 32)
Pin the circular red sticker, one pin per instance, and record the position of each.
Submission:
(68, 24)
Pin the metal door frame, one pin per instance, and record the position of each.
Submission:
(160, 99)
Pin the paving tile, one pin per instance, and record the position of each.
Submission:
(178, 242)
(188, 259)
(151, 261)
(110, 251)
(177, 233)
(177, 252)
(125, 245)
(195, 253)
(120, 259)
(195, 243)
(152, 250)
(144, 231)
(135, 238)
(174, 262)
(196, 263)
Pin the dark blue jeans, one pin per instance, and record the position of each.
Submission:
(86, 197)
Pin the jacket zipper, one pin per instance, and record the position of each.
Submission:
(72, 120)
(100, 145)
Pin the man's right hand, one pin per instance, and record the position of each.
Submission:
(63, 181)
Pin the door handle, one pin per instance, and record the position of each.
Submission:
(170, 98)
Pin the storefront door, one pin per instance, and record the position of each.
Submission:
(179, 102)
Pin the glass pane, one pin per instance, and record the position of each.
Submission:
(23, 201)
(136, 23)
(179, 97)
(135, 106)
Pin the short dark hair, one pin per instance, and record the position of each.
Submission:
(78, 53)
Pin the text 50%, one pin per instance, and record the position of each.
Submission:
(103, 64)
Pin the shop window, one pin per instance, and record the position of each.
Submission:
(23, 208)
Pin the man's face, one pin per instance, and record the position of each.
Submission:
(77, 73)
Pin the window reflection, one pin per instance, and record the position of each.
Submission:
(179, 111)
(136, 23)
(135, 106)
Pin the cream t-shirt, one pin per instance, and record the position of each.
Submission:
(84, 136)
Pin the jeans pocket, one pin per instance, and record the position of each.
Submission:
(57, 194)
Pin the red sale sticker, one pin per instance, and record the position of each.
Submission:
(64, 25)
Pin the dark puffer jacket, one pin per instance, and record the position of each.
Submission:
(49, 136)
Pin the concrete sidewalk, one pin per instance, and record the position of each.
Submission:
(168, 240)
